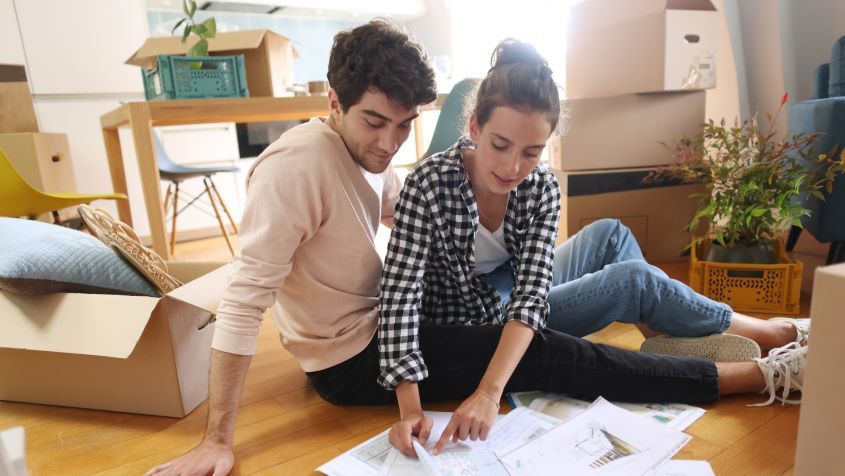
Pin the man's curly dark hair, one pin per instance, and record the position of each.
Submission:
(380, 55)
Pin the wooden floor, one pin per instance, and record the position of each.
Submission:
(283, 427)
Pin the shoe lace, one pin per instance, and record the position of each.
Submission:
(779, 369)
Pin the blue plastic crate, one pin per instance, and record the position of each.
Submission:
(192, 77)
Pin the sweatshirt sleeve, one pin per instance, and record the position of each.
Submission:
(284, 208)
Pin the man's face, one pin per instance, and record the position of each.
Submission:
(373, 129)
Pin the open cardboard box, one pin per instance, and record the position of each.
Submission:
(133, 354)
(625, 131)
(656, 213)
(622, 46)
(268, 57)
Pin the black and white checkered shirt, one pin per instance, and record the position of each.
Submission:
(428, 271)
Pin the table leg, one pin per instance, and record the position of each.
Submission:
(142, 135)
(111, 138)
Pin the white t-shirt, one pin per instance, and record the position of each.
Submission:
(490, 249)
(376, 181)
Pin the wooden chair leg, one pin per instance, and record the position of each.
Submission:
(167, 199)
(794, 233)
(223, 204)
(217, 213)
(175, 214)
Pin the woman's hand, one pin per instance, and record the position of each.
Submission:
(473, 420)
(416, 424)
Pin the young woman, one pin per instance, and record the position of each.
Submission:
(465, 296)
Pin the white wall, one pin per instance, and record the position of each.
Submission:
(723, 100)
(809, 28)
(11, 49)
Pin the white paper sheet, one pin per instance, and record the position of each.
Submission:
(676, 415)
(679, 467)
(365, 459)
(603, 439)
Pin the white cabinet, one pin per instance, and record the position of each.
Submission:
(78, 47)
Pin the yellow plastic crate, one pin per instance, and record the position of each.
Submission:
(750, 288)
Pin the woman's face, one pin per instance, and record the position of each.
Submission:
(508, 148)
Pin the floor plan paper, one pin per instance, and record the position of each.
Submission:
(681, 467)
(602, 440)
(676, 415)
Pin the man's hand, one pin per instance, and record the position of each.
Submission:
(401, 433)
(473, 420)
(208, 458)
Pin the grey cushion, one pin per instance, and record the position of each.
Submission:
(40, 258)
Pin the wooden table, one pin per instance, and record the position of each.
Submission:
(141, 117)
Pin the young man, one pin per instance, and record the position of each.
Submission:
(314, 201)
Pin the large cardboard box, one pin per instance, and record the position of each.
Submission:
(17, 114)
(123, 353)
(42, 159)
(656, 213)
(820, 440)
(622, 46)
(268, 57)
(625, 131)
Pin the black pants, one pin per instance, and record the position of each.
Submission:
(457, 357)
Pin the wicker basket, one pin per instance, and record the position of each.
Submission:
(750, 288)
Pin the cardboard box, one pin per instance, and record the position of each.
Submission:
(625, 131)
(268, 57)
(132, 354)
(42, 159)
(622, 46)
(656, 213)
(17, 114)
(822, 419)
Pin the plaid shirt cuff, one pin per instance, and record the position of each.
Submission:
(411, 367)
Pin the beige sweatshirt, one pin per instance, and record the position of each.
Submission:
(307, 251)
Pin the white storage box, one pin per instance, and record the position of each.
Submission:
(638, 46)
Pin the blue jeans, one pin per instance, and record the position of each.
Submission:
(600, 277)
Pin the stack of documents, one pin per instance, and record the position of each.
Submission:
(598, 438)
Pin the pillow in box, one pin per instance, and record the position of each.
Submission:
(40, 258)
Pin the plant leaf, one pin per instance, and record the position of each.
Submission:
(211, 27)
(193, 8)
(187, 32)
(200, 48)
(186, 8)
(178, 24)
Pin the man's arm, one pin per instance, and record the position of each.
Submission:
(214, 454)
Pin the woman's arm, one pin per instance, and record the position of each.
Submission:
(476, 415)
(526, 314)
(400, 298)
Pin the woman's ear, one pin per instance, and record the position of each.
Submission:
(474, 130)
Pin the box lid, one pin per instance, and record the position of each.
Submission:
(172, 45)
(589, 14)
(63, 322)
(203, 292)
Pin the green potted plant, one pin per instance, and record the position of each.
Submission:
(753, 179)
(204, 30)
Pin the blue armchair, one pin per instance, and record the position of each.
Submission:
(825, 115)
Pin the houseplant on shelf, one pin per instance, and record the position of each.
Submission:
(204, 30)
(753, 180)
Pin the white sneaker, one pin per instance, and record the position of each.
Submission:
(715, 347)
(802, 328)
(783, 369)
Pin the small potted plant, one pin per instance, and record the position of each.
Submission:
(205, 30)
(754, 180)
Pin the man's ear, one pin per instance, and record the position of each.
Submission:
(335, 109)
(474, 130)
